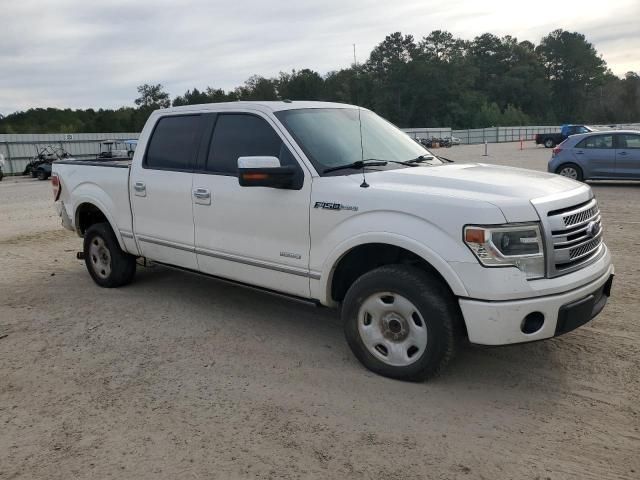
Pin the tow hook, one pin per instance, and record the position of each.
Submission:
(80, 255)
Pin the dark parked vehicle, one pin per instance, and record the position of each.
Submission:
(40, 166)
(550, 140)
(610, 155)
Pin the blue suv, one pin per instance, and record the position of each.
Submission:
(605, 155)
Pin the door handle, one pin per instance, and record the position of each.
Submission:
(201, 193)
(579, 153)
(140, 189)
(202, 196)
(622, 153)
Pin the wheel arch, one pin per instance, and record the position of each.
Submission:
(89, 212)
(376, 250)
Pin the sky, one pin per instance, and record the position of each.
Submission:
(83, 53)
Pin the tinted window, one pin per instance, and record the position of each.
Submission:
(628, 141)
(243, 135)
(174, 143)
(597, 141)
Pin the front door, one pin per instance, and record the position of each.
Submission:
(255, 235)
(597, 156)
(628, 155)
(160, 191)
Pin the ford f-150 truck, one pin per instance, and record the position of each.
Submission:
(332, 204)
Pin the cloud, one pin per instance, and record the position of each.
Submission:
(79, 54)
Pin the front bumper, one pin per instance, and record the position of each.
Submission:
(501, 322)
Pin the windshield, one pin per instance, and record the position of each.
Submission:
(330, 137)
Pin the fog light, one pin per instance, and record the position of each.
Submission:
(532, 322)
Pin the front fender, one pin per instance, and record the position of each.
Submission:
(406, 231)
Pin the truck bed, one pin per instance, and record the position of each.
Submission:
(110, 162)
(103, 183)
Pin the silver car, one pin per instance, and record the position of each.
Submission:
(604, 155)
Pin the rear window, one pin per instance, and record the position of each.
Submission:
(174, 143)
(628, 141)
(596, 141)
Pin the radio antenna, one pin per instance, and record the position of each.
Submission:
(364, 183)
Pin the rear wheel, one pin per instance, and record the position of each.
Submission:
(549, 143)
(42, 175)
(399, 322)
(570, 170)
(107, 264)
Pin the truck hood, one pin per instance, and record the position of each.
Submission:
(510, 189)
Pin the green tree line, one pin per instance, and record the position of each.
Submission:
(439, 80)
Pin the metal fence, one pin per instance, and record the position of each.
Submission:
(500, 134)
(19, 149)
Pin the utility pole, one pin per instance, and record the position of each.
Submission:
(355, 61)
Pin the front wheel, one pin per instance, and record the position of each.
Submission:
(570, 170)
(42, 175)
(107, 264)
(549, 143)
(400, 322)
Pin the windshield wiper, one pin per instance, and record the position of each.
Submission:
(369, 162)
(420, 159)
(357, 165)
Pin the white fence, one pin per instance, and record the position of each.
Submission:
(19, 149)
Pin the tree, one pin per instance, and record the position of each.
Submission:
(257, 88)
(302, 85)
(574, 69)
(152, 97)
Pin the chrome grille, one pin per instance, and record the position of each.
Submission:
(575, 237)
(584, 248)
(580, 217)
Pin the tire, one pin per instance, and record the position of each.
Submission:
(413, 319)
(42, 175)
(107, 264)
(549, 143)
(570, 170)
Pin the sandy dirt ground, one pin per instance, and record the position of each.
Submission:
(181, 376)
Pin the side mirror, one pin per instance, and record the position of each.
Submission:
(266, 172)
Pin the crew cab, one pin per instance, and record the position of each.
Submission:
(550, 140)
(334, 205)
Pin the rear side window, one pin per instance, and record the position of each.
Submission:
(628, 141)
(174, 143)
(597, 141)
(243, 135)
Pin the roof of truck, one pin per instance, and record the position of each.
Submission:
(273, 106)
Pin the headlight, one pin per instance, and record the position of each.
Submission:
(517, 246)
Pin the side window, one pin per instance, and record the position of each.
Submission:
(174, 143)
(628, 141)
(597, 141)
(243, 135)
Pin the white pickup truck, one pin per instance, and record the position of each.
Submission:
(332, 204)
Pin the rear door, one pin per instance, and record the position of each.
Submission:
(628, 155)
(160, 191)
(596, 156)
(255, 235)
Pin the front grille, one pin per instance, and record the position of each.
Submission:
(584, 248)
(580, 217)
(576, 237)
